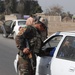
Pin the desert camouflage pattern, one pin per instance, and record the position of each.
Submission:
(35, 45)
(25, 66)
(21, 31)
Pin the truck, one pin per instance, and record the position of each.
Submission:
(59, 58)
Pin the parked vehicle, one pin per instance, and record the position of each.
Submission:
(57, 61)
(11, 27)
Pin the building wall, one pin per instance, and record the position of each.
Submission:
(60, 26)
(56, 24)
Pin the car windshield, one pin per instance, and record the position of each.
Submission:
(8, 23)
(21, 22)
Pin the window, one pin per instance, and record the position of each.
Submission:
(8, 23)
(53, 41)
(21, 22)
(67, 49)
(51, 44)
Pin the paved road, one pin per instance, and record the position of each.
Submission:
(8, 52)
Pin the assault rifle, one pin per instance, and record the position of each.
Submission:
(30, 55)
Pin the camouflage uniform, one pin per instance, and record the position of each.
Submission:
(44, 35)
(35, 42)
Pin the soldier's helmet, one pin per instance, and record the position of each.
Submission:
(44, 21)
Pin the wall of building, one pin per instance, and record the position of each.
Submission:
(56, 24)
(60, 26)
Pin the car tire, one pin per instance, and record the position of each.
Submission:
(4, 35)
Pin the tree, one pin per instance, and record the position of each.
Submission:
(13, 6)
(55, 10)
(36, 7)
(29, 7)
(22, 6)
(10, 6)
(2, 8)
(68, 14)
(7, 6)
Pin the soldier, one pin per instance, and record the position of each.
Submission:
(44, 33)
(30, 20)
(29, 43)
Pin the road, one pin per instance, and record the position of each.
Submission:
(8, 52)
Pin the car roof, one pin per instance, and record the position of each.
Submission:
(66, 33)
(20, 20)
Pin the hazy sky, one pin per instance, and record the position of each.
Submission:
(68, 5)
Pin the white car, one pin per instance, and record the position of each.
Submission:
(57, 61)
(11, 27)
(17, 25)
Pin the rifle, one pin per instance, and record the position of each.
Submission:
(30, 55)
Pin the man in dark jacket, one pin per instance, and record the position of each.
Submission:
(29, 43)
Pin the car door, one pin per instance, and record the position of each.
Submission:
(13, 25)
(64, 62)
(43, 62)
(7, 26)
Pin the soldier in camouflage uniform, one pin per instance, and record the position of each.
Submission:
(44, 33)
(29, 43)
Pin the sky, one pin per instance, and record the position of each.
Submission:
(68, 5)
